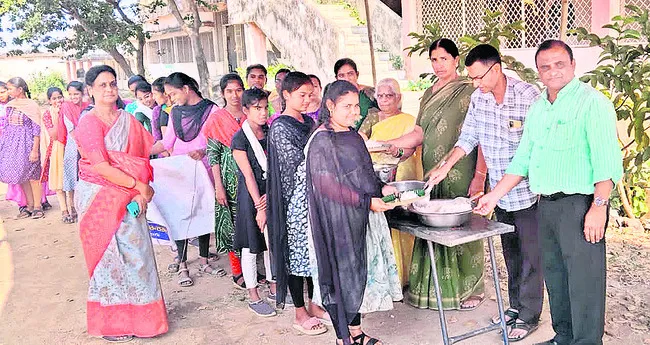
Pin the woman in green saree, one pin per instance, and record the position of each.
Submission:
(346, 69)
(442, 111)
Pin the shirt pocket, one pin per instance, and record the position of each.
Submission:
(563, 135)
(515, 129)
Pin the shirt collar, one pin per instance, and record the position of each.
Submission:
(568, 89)
(509, 95)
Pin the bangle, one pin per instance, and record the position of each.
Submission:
(134, 183)
(481, 173)
(400, 153)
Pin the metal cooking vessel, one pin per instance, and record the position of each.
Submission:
(385, 172)
(403, 186)
(443, 220)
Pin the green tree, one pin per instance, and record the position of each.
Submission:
(109, 25)
(622, 75)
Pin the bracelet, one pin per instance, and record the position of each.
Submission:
(400, 153)
(134, 183)
(481, 173)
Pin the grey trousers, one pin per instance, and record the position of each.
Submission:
(574, 270)
(522, 253)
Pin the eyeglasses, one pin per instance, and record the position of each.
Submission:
(385, 95)
(484, 74)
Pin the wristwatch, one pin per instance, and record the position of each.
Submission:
(598, 201)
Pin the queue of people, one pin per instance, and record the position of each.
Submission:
(293, 182)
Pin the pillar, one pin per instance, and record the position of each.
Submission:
(409, 24)
(255, 45)
(602, 13)
(89, 63)
(68, 71)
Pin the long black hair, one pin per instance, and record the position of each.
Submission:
(292, 82)
(223, 83)
(159, 85)
(178, 80)
(335, 91)
(52, 90)
(95, 71)
(20, 83)
(448, 45)
(79, 86)
(92, 75)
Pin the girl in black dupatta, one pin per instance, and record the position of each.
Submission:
(342, 189)
(287, 138)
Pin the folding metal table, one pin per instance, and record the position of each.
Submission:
(476, 229)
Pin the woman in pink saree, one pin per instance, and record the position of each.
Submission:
(124, 296)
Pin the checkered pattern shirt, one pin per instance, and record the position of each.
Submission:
(498, 129)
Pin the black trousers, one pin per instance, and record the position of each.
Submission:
(574, 270)
(204, 247)
(297, 289)
(522, 253)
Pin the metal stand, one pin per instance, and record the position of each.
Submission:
(447, 340)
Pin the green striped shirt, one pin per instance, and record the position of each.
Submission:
(571, 144)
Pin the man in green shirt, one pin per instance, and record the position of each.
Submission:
(570, 153)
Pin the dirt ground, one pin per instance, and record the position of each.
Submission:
(47, 303)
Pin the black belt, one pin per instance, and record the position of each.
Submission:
(558, 196)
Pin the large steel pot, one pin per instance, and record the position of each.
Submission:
(385, 172)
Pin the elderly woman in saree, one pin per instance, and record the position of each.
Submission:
(356, 269)
(393, 124)
(442, 113)
(346, 69)
(124, 296)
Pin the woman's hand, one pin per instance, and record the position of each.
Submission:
(260, 218)
(220, 194)
(261, 204)
(145, 190)
(389, 190)
(197, 155)
(33, 156)
(378, 205)
(142, 203)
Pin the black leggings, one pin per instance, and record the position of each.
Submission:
(296, 287)
(356, 321)
(204, 246)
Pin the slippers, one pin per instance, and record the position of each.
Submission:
(185, 281)
(480, 301)
(520, 324)
(308, 327)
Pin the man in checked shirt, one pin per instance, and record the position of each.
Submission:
(495, 121)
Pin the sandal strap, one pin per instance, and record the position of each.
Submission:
(359, 339)
(513, 314)
(311, 323)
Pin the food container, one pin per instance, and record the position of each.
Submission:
(443, 220)
(404, 186)
(385, 172)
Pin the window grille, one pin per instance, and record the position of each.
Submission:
(184, 52)
(166, 51)
(541, 18)
(207, 42)
(153, 54)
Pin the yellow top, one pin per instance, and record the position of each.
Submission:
(393, 128)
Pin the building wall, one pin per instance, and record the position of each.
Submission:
(167, 28)
(26, 65)
(296, 28)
